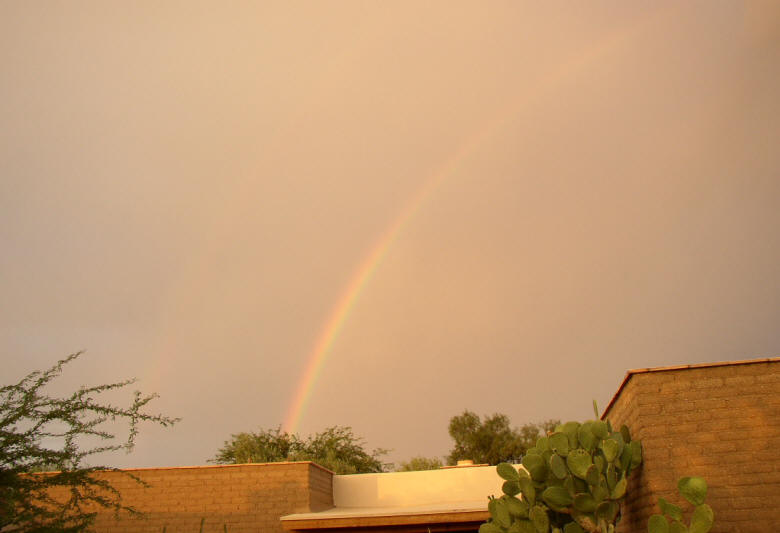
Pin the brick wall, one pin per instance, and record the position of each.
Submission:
(720, 422)
(244, 498)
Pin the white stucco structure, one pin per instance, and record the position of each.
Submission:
(446, 490)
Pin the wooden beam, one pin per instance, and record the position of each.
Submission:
(431, 520)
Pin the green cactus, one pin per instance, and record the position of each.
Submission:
(557, 497)
(572, 481)
(508, 472)
(585, 503)
(610, 447)
(539, 518)
(511, 488)
(528, 490)
(579, 461)
(559, 443)
(571, 429)
(586, 436)
(535, 464)
(694, 490)
(558, 467)
(517, 508)
(600, 429)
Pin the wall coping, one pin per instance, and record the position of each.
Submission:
(204, 467)
(631, 373)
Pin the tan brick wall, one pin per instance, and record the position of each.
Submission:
(718, 422)
(243, 498)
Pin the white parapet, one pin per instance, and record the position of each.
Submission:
(427, 487)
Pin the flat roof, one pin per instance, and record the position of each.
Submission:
(630, 373)
(445, 495)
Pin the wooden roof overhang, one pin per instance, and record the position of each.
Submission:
(391, 523)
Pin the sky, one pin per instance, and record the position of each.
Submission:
(379, 214)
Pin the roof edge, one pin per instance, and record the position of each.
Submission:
(199, 467)
(630, 373)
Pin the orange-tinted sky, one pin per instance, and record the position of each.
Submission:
(187, 189)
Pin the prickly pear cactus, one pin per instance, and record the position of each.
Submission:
(572, 481)
(693, 489)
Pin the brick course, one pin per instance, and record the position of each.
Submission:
(244, 498)
(720, 422)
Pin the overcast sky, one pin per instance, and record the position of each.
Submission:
(187, 190)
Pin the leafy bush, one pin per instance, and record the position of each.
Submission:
(420, 463)
(492, 440)
(337, 448)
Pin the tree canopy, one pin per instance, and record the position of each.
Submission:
(39, 432)
(420, 463)
(337, 449)
(492, 440)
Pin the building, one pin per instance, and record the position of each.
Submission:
(720, 421)
(448, 499)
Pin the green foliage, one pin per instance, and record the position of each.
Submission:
(336, 448)
(694, 490)
(40, 432)
(267, 446)
(420, 463)
(492, 440)
(573, 480)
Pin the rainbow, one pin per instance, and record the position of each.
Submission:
(545, 84)
(359, 280)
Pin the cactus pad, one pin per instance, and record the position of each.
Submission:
(523, 526)
(593, 476)
(578, 462)
(586, 437)
(490, 527)
(508, 472)
(517, 508)
(571, 429)
(585, 503)
(693, 489)
(528, 490)
(536, 466)
(558, 467)
(656, 524)
(702, 519)
(539, 518)
(671, 510)
(511, 488)
(559, 443)
(600, 429)
(636, 453)
(610, 447)
(620, 489)
(557, 497)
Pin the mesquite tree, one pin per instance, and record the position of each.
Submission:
(45, 484)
